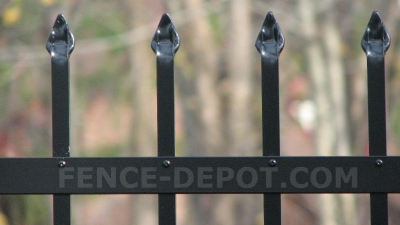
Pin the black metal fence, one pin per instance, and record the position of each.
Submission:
(167, 175)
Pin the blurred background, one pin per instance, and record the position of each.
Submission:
(218, 97)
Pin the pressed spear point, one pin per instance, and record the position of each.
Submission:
(270, 33)
(60, 35)
(165, 20)
(270, 19)
(166, 39)
(376, 39)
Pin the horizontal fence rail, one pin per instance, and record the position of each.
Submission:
(167, 175)
(200, 175)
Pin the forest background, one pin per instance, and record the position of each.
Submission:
(218, 97)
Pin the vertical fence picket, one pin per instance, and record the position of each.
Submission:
(375, 43)
(165, 43)
(269, 43)
(60, 45)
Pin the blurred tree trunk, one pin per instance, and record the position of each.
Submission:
(331, 134)
(339, 101)
(200, 100)
(204, 52)
(241, 132)
(240, 42)
(203, 104)
(144, 133)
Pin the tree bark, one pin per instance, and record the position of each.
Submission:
(241, 132)
(144, 129)
(324, 133)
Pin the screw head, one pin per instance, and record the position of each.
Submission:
(62, 164)
(166, 163)
(272, 163)
(378, 162)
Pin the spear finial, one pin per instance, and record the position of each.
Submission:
(376, 40)
(270, 40)
(166, 39)
(60, 41)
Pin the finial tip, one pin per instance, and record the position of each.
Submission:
(376, 39)
(62, 36)
(270, 33)
(166, 39)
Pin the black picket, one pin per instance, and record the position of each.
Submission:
(375, 43)
(60, 45)
(165, 43)
(269, 43)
